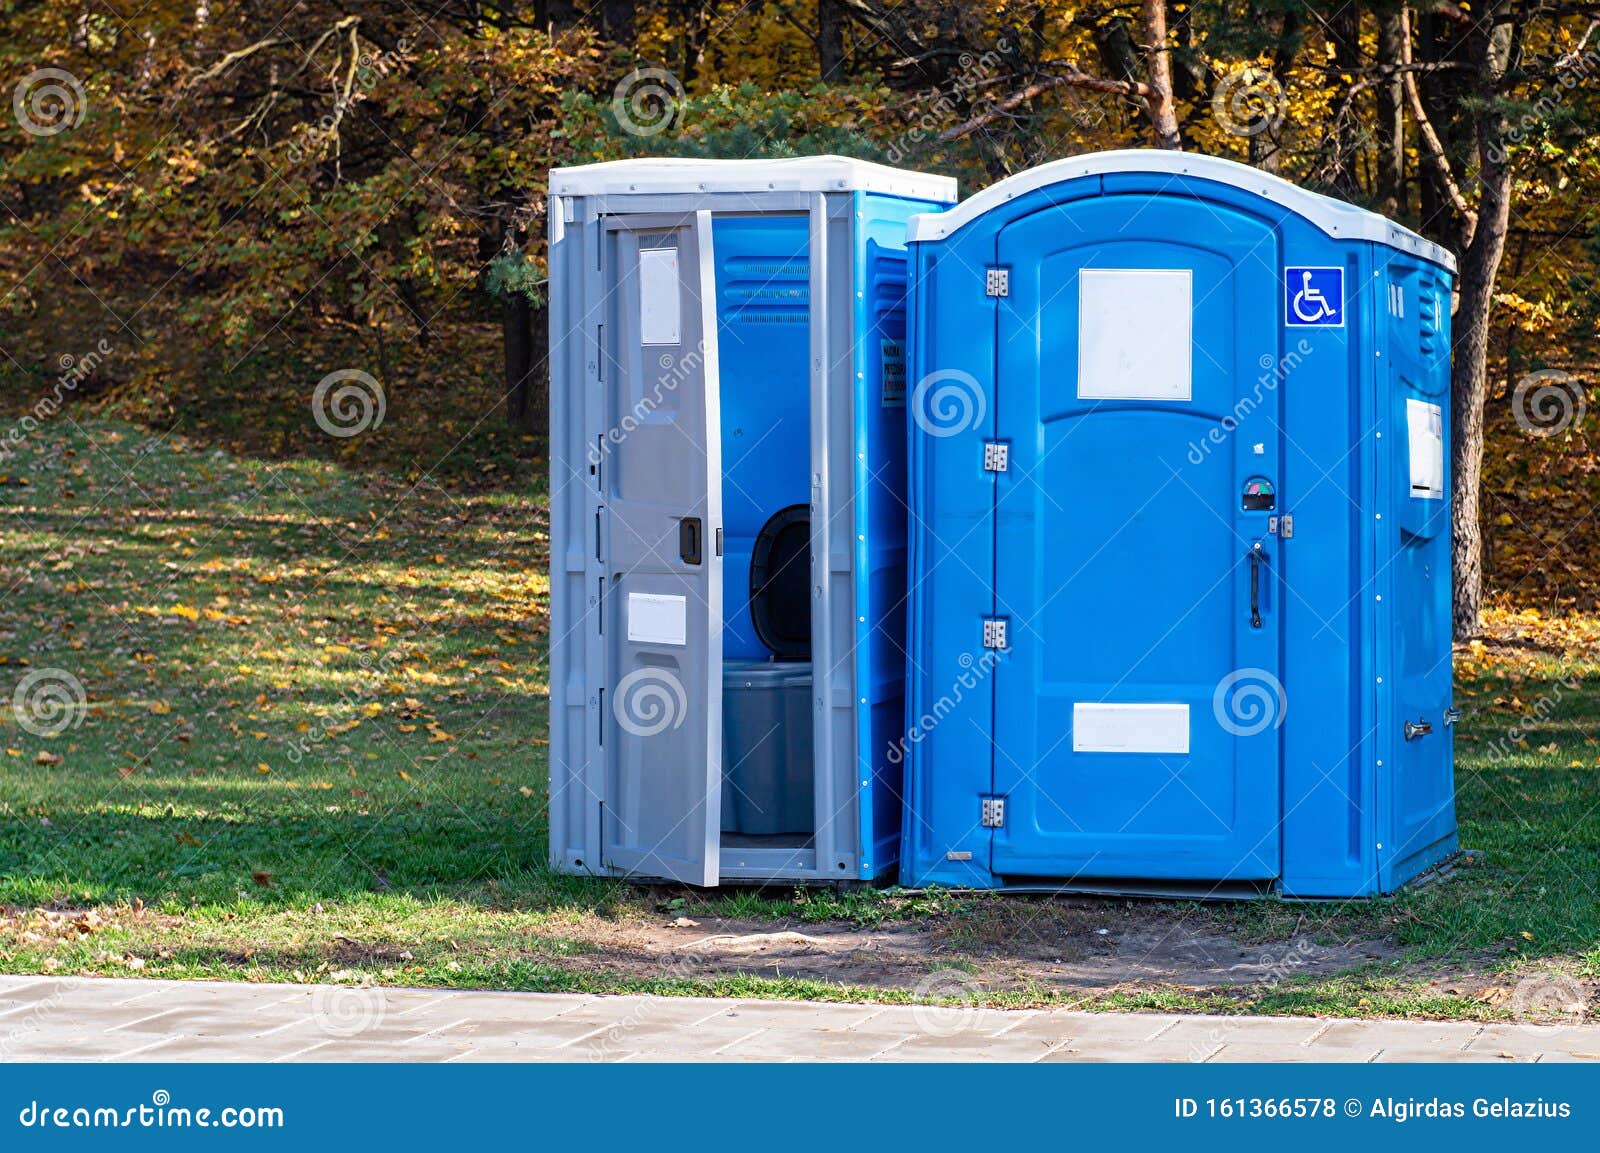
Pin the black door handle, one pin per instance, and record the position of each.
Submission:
(689, 540)
(1255, 586)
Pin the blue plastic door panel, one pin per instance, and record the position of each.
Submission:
(660, 473)
(1137, 707)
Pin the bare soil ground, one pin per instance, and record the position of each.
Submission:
(1060, 945)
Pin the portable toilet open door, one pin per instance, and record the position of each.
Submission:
(728, 516)
(661, 480)
(1178, 471)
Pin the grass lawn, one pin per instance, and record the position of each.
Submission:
(311, 746)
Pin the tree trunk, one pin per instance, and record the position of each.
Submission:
(617, 17)
(1158, 64)
(830, 40)
(525, 335)
(1488, 44)
(1391, 125)
(1345, 28)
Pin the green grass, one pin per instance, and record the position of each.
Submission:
(312, 746)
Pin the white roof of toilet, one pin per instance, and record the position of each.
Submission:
(1338, 219)
(794, 174)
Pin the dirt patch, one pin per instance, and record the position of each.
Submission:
(1000, 946)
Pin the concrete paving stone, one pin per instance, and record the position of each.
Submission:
(1529, 1040)
(1213, 1031)
(120, 1019)
(820, 1018)
(821, 1044)
(1431, 1037)
(968, 1046)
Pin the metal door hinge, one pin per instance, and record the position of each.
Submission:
(996, 457)
(1452, 715)
(993, 812)
(997, 282)
(994, 633)
(1283, 526)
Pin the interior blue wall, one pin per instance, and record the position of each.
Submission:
(763, 335)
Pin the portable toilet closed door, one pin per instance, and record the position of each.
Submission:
(727, 386)
(1180, 537)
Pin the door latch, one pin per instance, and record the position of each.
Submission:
(1415, 729)
(690, 540)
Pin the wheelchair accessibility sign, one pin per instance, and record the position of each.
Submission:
(1313, 297)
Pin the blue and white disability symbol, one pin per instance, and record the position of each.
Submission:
(1313, 297)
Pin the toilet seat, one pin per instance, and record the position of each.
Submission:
(780, 583)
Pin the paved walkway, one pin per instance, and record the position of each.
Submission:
(101, 1019)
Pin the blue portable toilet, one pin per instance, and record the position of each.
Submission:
(727, 516)
(1180, 557)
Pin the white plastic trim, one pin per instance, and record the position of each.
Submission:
(1336, 218)
(795, 174)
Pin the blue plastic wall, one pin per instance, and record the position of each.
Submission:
(1358, 600)
(881, 273)
(763, 344)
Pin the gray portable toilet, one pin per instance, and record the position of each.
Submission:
(728, 516)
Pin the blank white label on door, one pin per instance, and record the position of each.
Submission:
(658, 619)
(1425, 429)
(1130, 728)
(1135, 332)
(659, 297)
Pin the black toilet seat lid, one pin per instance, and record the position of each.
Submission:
(780, 583)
